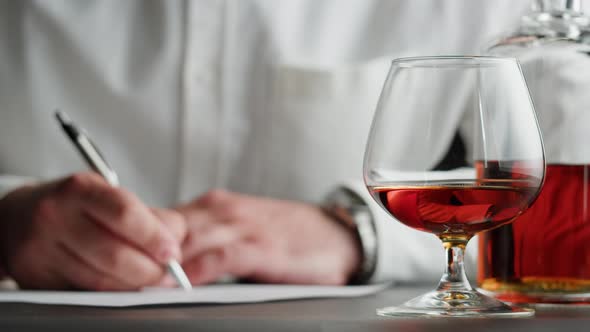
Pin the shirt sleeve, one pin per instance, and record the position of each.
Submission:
(405, 254)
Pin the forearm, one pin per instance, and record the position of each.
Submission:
(6, 281)
(3, 232)
(3, 273)
(8, 183)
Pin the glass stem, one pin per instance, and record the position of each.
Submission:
(454, 278)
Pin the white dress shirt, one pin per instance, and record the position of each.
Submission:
(263, 97)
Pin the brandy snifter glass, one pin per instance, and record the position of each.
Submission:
(425, 101)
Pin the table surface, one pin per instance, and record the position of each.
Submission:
(352, 314)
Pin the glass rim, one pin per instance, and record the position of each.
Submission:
(455, 61)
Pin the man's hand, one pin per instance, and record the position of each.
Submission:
(265, 240)
(79, 232)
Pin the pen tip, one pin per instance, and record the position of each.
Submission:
(62, 117)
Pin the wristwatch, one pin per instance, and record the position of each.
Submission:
(348, 208)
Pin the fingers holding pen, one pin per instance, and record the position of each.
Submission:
(113, 232)
(92, 235)
(82, 253)
(117, 264)
(124, 215)
(79, 274)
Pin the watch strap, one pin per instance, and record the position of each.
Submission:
(348, 208)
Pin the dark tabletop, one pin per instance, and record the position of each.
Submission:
(353, 314)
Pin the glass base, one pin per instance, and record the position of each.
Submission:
(467, 304)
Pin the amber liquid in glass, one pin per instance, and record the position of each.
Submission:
(544, 256)
(456, 210)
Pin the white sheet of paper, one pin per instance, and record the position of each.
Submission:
(223, 293)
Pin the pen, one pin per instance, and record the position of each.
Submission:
(98, 163)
